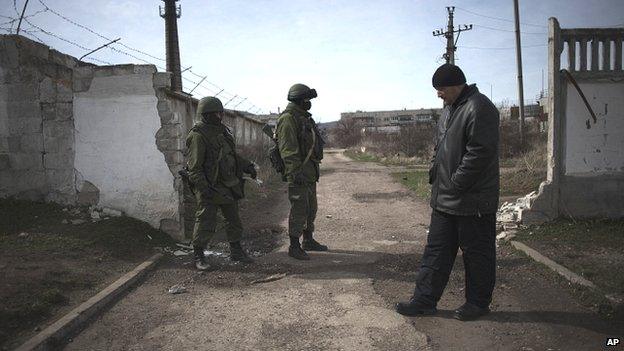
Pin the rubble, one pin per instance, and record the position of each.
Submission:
(511, 212)
(78, 221)
(507, 235)
(111, 212)
(214, 253)
(177, 289)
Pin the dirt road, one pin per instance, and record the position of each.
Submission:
(343, 300)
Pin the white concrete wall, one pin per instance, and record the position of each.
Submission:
(116, 121)
(600, 148)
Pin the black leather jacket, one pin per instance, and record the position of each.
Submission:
(465, 174)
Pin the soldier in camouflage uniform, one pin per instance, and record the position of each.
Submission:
(301, 148)
(215, 171)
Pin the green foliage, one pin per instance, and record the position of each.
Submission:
(417, 181)
(361, 156)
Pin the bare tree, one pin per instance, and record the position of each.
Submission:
(347, 133)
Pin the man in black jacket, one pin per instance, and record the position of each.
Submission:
(464, 180)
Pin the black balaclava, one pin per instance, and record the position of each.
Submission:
(306, 105)
(211, 118)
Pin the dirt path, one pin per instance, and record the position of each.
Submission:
(343, 300)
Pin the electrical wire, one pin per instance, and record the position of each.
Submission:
(499, 18)
(508, 30)
(501, 48)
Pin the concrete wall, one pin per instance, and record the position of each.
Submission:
(594, 147)
(585, 156)
(116, 122)
(36, 121)
(106, 136)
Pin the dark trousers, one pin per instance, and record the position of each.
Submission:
(476, 235)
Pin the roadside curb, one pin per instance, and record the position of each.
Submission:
(615, 299)
(78, 318)
(564, 272)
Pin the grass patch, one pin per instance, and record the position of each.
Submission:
(386, 160)
(520, 182)
(48, 263)
(417, 181)
(528, 172)
(361, 156)
(590, 248)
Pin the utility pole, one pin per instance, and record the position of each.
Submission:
(19, 24)
(519, 62)
(171, 13)
(449, 34)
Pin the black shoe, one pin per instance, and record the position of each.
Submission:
(313, 245)
(298, 253)
(238, 254)
(200, 259)
(414, 308)
(469, 312)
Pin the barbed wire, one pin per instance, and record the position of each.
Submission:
(202, 84)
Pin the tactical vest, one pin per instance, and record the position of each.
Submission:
(310, 140)
(221, 162)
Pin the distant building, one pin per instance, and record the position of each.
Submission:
(391, 121)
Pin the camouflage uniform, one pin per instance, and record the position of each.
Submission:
(215, 172)
(301, 149)
(212, 157)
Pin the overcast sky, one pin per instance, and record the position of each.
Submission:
(358, 54)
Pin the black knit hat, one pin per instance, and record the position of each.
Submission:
(448, 75)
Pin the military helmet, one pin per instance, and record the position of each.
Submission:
(209, 104)
(300, 92)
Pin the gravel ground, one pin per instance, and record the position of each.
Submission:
(343, 299)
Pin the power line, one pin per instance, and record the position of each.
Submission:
(508, 30)
(502, 48)
(499, 18)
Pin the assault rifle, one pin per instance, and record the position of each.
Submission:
(274, 155)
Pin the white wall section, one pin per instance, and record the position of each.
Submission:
(116, 121)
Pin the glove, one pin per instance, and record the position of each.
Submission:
(251, 170)
(299, 179)
(206, 194)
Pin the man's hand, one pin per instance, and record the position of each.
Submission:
(251, 170)
(299, 179)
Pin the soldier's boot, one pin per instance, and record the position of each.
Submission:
(238, 254)
(295, 251)
(309, 244)
(200, 259)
